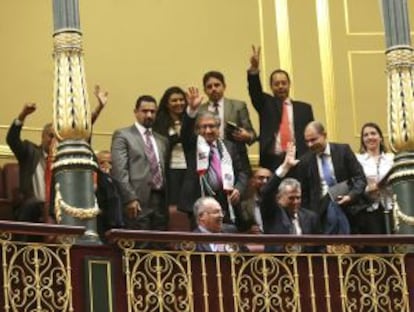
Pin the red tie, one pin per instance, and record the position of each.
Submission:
(284, 130)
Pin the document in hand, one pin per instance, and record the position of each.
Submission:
(339, 189)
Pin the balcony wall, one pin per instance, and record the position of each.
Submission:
(64, 276)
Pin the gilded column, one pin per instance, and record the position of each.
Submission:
(73, 168)
(400, 70)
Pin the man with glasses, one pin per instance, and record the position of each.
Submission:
(214, 166)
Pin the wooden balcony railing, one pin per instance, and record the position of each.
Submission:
(172, 276)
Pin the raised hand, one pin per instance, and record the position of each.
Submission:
(255, 58)
(101, 95)
(194, 98)
(290, 158)
(28, 108)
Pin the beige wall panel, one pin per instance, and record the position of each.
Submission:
(306, 74)
(269, 42)
(352, 89)
(25, 62)
(144, 46)
(131, 47)
(357, 19)
(369, 96)
(364, 17)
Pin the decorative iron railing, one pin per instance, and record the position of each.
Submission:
(186, 280)
(37, 276)
(63, 276)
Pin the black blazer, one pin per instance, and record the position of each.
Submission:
(206, 247)
(28, 155)
(269, 109)
(191, 190)
(277, 221)
(346, 168)
(275, 218)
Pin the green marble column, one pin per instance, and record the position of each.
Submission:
(73, 167)
(400, 65)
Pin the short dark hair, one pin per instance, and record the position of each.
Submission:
(362, 147)
(213, 74)
(279, 71)
(145, 98)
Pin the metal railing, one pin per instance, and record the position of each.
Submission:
(173, 276)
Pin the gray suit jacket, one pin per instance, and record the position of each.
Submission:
(130, 166)
(235, 111)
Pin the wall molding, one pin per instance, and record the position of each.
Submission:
(327, 69)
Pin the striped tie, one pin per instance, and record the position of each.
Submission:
(152, 159)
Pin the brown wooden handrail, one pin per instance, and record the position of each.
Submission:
(159, 236)
(41, 229)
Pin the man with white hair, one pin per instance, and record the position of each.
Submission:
(209, 217)
(282, 208)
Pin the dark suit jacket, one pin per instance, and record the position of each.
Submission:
(191, 190)
(247, 216)
(206, 247)
(346, 168)
(269, 109)
(28, 155)
(130, 166)
(275, 218)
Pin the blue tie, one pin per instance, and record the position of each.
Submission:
(326, 171)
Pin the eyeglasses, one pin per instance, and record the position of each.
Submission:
(204, 127)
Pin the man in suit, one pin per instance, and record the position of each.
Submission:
(229, 110)
(250, 215)
(32, 164)
(282, 119)
(214, 167)
(209, 216)
(323, 168)
(282, 208)
(139, 157)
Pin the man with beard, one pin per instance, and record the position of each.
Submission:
(139, 158)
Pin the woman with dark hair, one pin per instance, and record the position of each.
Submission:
(168, 124)
(376, 163)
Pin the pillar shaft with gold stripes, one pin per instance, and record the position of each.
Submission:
(73, 168)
